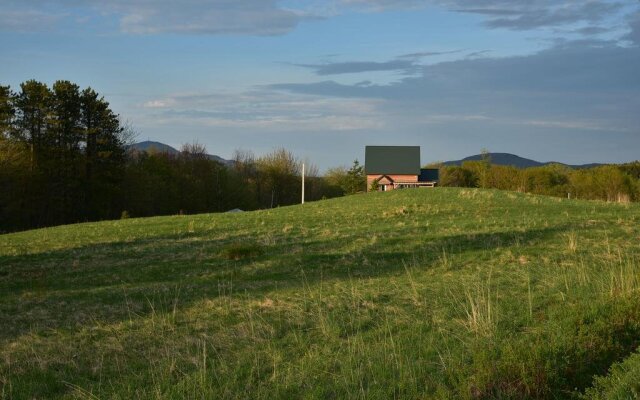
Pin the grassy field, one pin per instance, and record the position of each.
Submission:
(444, 293)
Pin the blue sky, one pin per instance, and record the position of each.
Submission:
(549, 80)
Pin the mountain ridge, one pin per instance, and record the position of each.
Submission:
(508, 159)
(150, 145)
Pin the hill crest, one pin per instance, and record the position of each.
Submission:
(149, 145)
(509, 159)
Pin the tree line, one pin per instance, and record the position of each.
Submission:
(617, 183)
(61, 155)
(65, 157)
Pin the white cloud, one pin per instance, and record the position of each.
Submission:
(265, 109)
(159, 103)
(250, 17)
(254, 17)
(581, 125)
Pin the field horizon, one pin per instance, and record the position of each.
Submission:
(419, 293)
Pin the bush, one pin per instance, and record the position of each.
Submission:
(616, 183)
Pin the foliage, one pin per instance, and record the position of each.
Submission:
(618, 183)
(457, 177)
(357, 180)
(279, 177)
(350, 181)
(275, 179)
(622, 381)
(161, 183)
(62, 156)
(375, 185)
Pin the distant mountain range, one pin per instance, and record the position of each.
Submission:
(149, 145)
(496, 158)
(516, 161)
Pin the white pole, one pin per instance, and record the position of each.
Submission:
(302, 183)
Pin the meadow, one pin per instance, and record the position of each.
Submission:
(425, 293)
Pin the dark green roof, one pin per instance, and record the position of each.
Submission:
(398, 160)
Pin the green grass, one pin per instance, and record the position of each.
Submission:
(444, 293)
(622, 383)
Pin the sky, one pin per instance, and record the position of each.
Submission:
(550, 80)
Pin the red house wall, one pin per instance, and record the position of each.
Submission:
(396, 178)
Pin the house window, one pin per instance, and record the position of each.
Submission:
(383, 188)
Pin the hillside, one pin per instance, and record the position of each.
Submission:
(148, 145)
(440, 293)
(516, 161)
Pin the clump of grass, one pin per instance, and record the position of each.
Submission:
(396, 212)
(624, 279)
(241, 251)
(479, 311)
(468, 193)
(445, 262)
(572, 239)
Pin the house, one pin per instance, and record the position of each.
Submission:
(396, 167)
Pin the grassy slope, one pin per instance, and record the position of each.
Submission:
(441, 293)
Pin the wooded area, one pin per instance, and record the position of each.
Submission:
(64, 158)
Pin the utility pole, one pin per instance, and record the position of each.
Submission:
(302, 183)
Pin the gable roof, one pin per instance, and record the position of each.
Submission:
(397, 160)
(387, 177)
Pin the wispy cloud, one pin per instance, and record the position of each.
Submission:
(551, 16)
(422, 54)
(28, 20)
(266, 109)
(253, 17)
(269, 17)
(554, 88)
(590, 30)
(159, 103)
(585, 124)
(634, 25)
(243, 17)
(350, 67)
(512, 14)
(407, 64)
(480, 53)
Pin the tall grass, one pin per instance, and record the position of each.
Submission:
(451, 294)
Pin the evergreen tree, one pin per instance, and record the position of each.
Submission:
(357, 180)
(63, 166)
(104, 157)
(33, 111)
